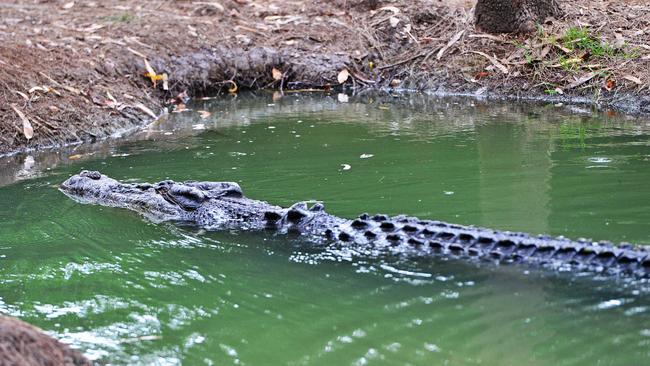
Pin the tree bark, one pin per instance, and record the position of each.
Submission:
(513, 16)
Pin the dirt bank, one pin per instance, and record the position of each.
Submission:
(24, 344)
(73, 71)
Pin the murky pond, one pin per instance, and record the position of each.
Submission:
(127, 291)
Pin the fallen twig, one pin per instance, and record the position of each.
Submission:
(494, 61)
(357, 76)
(488, 36)
(403, 61)
(633, 79)
(451, 42)
(135, 52)
(581, 81)
(68, 88)
(145, 109)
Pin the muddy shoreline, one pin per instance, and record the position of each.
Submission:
(628, 105)
(74, 73)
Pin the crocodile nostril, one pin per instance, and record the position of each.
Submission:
(92, 174)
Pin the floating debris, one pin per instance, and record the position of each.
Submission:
(600, 160)
(431, 347)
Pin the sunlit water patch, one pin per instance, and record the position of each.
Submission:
(127, 291)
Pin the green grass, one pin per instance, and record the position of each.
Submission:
(578, 38)
(527, 53)
(632, 54)
(551, 92)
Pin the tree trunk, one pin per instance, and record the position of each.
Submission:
(513, 16)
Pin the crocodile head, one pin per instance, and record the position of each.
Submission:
(162, 201)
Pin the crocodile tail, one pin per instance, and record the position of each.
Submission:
(434, 237)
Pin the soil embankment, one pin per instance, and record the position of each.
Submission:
(74, 71)
(24, 344)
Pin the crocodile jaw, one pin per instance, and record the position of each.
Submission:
(91, 187)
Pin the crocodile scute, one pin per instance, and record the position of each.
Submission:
(222, 205)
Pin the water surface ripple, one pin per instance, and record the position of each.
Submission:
(127, 291)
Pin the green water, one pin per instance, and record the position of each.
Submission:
(126, 291)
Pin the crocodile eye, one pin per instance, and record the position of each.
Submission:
(190, 193)
(218, 189)
(187, 197)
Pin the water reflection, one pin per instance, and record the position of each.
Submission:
(418, 117)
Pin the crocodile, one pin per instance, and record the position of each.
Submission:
(222, 205)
